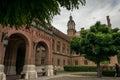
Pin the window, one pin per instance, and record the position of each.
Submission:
(68, 62)
(76, 62)
(58, 46)
(42, 61)
(63, 62)
(53, 45)
(52, 61)
(63, 48)
(85, 62)
(67, 50)
(58, 62)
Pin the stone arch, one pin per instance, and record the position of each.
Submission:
(41, 55)
(27, 40)
(22, 33)
(16, 52)
(41, 52)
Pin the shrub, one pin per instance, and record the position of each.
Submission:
(80, 68)
(108, 68)
(108, 73)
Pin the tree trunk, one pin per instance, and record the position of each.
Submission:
(98, 70)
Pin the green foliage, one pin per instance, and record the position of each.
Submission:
(80, 68)
(98, 27)
(19, 12)
(108, 73)
(116, 38)
(75, 44)
(105, 62)
(108, 68)
(83, 33)
(98, 43)
(115, 30)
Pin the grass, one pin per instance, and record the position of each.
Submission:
(86, 74)
(78, 73)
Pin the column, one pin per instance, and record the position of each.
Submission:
(29, 68)
(49, 66)
(12, 58)
(2, 74)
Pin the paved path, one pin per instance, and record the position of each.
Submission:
(71, 76)
(75, 77)
(83, 78)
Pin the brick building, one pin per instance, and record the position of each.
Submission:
(30, 50)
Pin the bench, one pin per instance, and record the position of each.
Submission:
(42, 73)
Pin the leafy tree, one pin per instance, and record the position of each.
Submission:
(19, 12)
(97, 43)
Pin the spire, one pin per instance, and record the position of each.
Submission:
(70, 16)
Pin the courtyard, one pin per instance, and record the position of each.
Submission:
(77, 76)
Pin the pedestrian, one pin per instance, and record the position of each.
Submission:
(117, 74)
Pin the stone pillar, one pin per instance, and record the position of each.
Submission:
(2, 52)
(49, 70)
(2, 74)
(49, 66)
(30, 71)
(12, 58)
(29, 68)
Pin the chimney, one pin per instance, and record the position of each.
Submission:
(82, 28)
(108, 22)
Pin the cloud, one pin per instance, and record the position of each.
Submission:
(85, 16)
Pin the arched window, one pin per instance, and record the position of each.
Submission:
(53, 45)
(58, 46)
(63, 48)
(58, 62)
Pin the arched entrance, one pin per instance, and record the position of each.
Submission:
(15, 55)
(41, 56)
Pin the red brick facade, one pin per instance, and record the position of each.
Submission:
(39, 47)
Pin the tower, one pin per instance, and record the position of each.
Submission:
(108, 21)
(71, 27)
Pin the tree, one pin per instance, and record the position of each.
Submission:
(22, 12)
(97, 43)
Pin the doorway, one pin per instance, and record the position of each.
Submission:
(14, 56)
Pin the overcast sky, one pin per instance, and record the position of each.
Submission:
(85, 16)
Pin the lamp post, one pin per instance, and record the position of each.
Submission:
(4, 39)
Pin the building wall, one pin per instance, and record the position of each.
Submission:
(52, 39)
(81, 61)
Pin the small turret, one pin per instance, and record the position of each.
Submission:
(71, 27)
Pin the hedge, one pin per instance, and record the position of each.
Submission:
(80, 68)
(108, 73)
